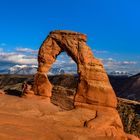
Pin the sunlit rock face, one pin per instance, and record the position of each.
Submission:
(94, 87)
(93, 93)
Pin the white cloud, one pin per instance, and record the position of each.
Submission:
(26, 50)
(110, 59)
(17, 58)
(115, 62)
(111, 65)
(129, 62)
(28, 56)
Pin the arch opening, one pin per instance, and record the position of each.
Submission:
(64, 64)
(64, 79)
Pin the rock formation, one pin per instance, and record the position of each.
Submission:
(94, 91)
(93, 88)
(2, 92)
(27, 89)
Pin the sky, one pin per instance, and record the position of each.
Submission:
(112, 27)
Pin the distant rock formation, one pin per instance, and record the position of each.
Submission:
(127, 87)
(94, 90)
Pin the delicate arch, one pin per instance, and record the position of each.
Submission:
(93, 87)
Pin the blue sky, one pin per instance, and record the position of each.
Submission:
(112, 26)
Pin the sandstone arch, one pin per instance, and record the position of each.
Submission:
(94, 87)
(95, 101)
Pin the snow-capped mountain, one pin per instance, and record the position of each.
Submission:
(23, 69)
(27, 69)
(55, 71)
(120, 73)
(32, 69)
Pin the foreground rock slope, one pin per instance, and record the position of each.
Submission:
(29, 117)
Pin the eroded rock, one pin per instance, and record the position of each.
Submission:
(94, 91)
(93, 87)
(27, 89)
(2, 92)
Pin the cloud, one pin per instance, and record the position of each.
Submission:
(25, 56)
(16, 58)
(26, 50)
(9, 59)
(111, 64)
(115, 62)
(129, 62)
(28, 56)
(64, 61)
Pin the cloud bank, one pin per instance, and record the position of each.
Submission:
(28, 56)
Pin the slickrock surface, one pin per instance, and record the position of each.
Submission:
(33, 117)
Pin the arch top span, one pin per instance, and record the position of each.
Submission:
(68, 32)
(93, 87)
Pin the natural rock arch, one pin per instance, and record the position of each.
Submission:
(95, 101)
(93, 88)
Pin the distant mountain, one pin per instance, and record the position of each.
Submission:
(127, 87)
(32, 69)
(131, 88)
(120, 73)
(124, 84)
(56, 71)
(23, 69)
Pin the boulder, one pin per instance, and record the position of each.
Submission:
(2, 92)
(27, 89)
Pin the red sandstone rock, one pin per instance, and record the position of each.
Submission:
(94, 86)
(27, 89)
(94, 90)
(43, 87)
(2, 92)
(132, 137)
